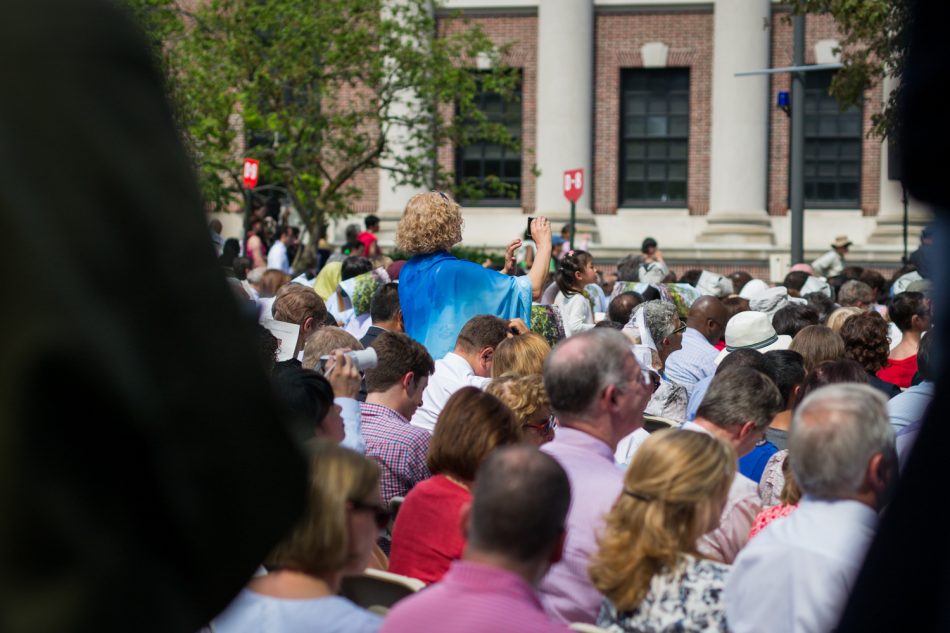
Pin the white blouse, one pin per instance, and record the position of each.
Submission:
(575, 313)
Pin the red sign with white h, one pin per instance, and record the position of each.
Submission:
(573, 184)
(251, 168)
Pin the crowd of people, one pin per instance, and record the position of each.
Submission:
(546, 445)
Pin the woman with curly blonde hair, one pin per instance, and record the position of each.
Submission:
(527, 399)
(439, 293)
(648, 568)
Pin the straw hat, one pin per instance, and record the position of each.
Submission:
(841, 241)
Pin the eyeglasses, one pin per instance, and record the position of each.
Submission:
(679, 330)
(544, 426)
(380, 514)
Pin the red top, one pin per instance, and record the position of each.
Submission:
(899, 372)
(368, 240)
(427, 535)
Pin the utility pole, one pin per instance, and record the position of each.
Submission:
(797, 149)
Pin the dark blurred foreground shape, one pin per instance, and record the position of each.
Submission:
(905, 582)
(143, 472)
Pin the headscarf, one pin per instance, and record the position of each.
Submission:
(328, 279)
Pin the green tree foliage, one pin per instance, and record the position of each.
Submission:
(874, 45)
(318, 89)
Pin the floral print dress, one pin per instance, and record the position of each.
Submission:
(688, 599)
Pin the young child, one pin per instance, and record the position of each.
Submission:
(574, 272)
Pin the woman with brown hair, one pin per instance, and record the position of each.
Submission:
(865, 341)
(816, 344)
(427, 535)
(648, 567)
(334, 538)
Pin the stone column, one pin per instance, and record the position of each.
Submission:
(740, 125)
(890, 214)
(565, 106)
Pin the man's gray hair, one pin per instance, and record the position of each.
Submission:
(579, 368)
(661, 317)
(853, 292)
(835, 432)
(738, 395)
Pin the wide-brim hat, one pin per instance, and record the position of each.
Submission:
(841, 241)
(714, 284)
(771, 300)
(752, 330)
(752, 288)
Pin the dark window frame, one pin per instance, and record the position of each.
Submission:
(511, 114)
(635, 131)
(834, 142)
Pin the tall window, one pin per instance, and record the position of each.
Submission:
(654, 133)
(832, 147)
(485, 165)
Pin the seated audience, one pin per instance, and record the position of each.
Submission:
(739, 279)
(272, 281)
(837, 318)
(468, 365)
(527, 399)
(793, 318)
(301, 307)
(622, 306)
(857, 294)
(427, 535)
(910, 312)
(816, 344)
(908, 409)
(787, 502)
(820, 303)
(309, 397)
(696, 359)
(394, 391)
(521, 355)
(865, 341)
(647, 567)
(788, 372)
(514, 532)
(334, 538)
(796, 574)
(324, 341)
(598, 394)
(660, 332)
(738, 358)
(827, 373)
(384, 312)
(737, 409)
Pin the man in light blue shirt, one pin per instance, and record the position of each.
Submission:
(696, 359)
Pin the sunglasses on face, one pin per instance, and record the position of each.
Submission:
(380, 514)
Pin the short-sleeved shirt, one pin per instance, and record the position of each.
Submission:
(251, 612)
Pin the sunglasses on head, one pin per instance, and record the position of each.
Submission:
(380, 514)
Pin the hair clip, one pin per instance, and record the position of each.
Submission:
(570, 253)
(638, 495)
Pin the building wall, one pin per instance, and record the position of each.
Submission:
(619, 37)
(817, 28)
(521, 33)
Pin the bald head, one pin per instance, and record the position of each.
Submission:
(708, 316)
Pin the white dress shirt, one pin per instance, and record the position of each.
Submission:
(451, 374)
(829, 264)
(277, 257)
(795, 576)
(742, 506)
(628, 446)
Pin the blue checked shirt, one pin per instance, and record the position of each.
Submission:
(398, 447)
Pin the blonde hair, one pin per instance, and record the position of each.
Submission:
(272, 281)
(837, 318)
(324, 341)
(319, 542)
(523, 354)
(524, 395)
(431, 222)
(673, 491)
